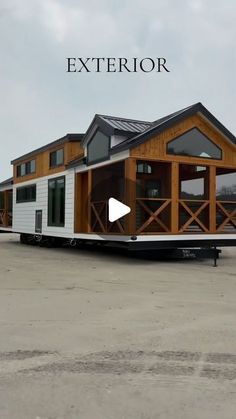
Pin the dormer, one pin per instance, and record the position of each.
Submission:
(106, 132)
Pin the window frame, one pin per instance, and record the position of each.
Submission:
(20, 188)
(26, 171)
(192, 156)
(52, 166)
(49, 221)
(101, 159)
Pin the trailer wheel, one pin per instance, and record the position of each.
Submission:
(24, 238)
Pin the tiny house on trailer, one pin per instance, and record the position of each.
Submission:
(177, 175)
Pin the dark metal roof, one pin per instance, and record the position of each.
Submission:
(53, 144)
(124, 124)
(8, 181)
(110, 125)
(163, 123)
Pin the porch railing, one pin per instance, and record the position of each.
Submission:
(5, 218)
(99, 219)
(153, 215)
(225, 216)
(194, 216)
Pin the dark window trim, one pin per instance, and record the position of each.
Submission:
(196, 157)
(53, 166)
(101, 159)
(62, 224)
(27, 200)
(38, 229)
(25, 163)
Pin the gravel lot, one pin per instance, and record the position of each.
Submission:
(89, 335)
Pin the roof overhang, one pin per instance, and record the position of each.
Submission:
(53, 144)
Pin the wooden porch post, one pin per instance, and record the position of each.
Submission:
(212, 198)
(5, 221)
(89, 200)
(175, 197)
(78, 204)
(130, 195)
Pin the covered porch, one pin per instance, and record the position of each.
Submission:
(6, 209)
(165, 198)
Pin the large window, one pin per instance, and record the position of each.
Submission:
(26, 168)
(56, 202)
(26, 194)
(225, 185)
(194, 143)
(56, 158)
(98, 148)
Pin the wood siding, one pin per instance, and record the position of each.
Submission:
(71, 151)
(155, 148)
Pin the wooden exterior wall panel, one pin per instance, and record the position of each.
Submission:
(155, 148)
(130, 195)
(71, 150)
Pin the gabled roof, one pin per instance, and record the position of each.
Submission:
(163, 123)
(67, 138)
(111, 125)
(124, 124)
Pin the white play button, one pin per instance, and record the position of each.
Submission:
(116, 209)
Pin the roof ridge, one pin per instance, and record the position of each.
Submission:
(124, 119)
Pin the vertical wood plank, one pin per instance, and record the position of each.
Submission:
(174, 197)
(78, 204)
(130, 195)
(5, 216)
(89, 191)
(212, 198)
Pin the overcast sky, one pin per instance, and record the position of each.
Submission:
(40, 102)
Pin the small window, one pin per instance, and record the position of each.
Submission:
(98, 148)
(26, 168)
(144, 168)
(56, 202)
(195, 144)
(31, 167)
(23, 169)
(26, 194)
(18, 171)
(57, 158)
(38, 221)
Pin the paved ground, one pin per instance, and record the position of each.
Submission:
(88, 335)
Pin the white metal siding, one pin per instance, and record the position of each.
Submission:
(24, 213)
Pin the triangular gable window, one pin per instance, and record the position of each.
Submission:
(194, 143)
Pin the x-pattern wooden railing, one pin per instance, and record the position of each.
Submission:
(2, 216)
(193, 215)
(153, 215)
(230, 217)
(5, 218)
(100, 211)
